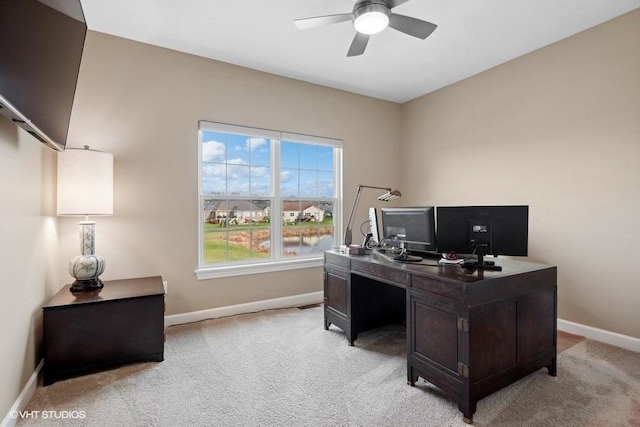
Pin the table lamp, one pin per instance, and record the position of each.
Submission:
(388, 196)
(85, 187)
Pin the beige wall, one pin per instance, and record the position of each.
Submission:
(29, 254)
(558, 129)
(143, 103)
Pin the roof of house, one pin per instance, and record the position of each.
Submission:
(298, 206)
(238, 205)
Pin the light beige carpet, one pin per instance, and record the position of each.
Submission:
(281, 368)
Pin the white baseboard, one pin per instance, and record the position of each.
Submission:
(251, 307)
(11, 419)
(607, 337)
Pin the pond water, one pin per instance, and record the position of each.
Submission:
(304, 245)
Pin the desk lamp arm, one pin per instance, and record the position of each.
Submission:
(348, 235)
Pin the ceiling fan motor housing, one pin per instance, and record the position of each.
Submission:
(371, 16)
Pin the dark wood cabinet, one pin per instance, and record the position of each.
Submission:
(468, 332)
(86, 332)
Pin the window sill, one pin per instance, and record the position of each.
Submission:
(258, 268)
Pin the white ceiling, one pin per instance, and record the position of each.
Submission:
(472, 36)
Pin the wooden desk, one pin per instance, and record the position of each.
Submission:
(86, 332)
(469, 332)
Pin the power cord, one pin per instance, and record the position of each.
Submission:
(369, 243)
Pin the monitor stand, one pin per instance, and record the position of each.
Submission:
(403, 256)
(481, 264)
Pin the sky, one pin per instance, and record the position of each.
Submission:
(241, 165)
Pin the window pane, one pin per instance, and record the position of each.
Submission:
(260, 181)
(236, 230)
(213, 147)
(325, 158)
(308, 156)
(325, 184)
(238, 180)
(308, 227)
(308, 183)
(235, 164)
(237, 149)
(260, 149)
(289, 183)
(289, 155)
(214, 178)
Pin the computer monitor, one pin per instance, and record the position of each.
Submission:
(483, 230)
(413, 229)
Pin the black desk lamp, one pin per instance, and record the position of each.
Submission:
(389, 195)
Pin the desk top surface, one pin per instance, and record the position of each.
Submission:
(112, 290)
(450, 272)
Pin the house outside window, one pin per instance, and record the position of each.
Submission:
(248, 177)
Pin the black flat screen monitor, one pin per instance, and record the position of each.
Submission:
(413, 227)
(484, 230)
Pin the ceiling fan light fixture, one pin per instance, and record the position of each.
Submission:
(371, 18)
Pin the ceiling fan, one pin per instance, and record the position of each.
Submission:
(370, 17)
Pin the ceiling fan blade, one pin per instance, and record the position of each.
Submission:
(320, 21)
(394, 3)
(358, 45)
(411, 26)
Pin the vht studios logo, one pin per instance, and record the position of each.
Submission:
(54, 415)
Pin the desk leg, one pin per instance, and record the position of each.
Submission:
(411, 376)
(326, 323)
(468, 408)
(552, 367)
(351, 337)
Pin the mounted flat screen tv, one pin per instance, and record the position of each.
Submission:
(41, 46)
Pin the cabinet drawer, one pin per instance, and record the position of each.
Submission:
(336, 271)
(381, 272)
(445, 289)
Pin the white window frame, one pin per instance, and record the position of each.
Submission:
(276, 262)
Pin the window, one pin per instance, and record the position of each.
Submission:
(251, 177)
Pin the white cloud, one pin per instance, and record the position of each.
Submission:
(214, 170)
(255, 143)
(237, 171)
(237, 161)
(259, 171)
(213, 151)
(285, 176)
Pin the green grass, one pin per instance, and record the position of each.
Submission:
(217, 249)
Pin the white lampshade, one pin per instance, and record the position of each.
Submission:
(85, 182)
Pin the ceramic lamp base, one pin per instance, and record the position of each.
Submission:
(87, 267)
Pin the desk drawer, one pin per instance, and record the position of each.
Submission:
(381, 272)
(445, 289)
(336, 271)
